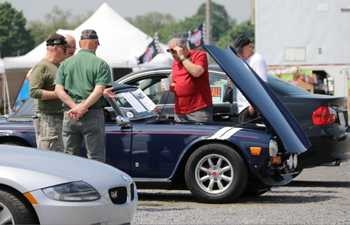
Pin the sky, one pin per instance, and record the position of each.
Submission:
(37, 9)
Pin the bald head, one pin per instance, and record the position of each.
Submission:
(71, 45)
(89, 44)
(180, 42)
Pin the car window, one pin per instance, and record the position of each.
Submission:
(283, 88)
(25, 111)
(222, 88)
(154, 87)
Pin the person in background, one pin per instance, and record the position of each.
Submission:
(80, 84)
(71, 45)
(48, 108)
(299, 80)
(190, 83)
(244, 47)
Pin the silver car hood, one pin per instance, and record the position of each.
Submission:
(29, 169)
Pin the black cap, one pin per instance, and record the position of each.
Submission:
(88, 34)
(56, 39)
(240, 42)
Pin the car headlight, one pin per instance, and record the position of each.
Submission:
(273, 148)
(77, 191)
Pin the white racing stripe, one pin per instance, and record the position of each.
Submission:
(219, 132)
(224, 133)
(229, 133)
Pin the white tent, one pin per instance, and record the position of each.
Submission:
(121, 45)
(2, 67)
(121, 42)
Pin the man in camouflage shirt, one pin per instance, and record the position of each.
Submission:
(48, 107)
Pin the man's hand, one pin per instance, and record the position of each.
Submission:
(172, 87)
(77, 112)
(179, 52)
(251, 110)
(108, 92)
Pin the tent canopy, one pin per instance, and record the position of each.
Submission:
(2, 67)
(120, 42)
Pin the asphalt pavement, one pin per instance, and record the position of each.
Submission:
(317, 196)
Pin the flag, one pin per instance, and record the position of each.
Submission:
(149, 54)
(196, 37)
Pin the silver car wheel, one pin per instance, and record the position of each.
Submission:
(214, 173)
(6, 217)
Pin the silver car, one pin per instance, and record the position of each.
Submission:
(42, 187)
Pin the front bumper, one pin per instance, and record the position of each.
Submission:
(102, 211)
(282, 174)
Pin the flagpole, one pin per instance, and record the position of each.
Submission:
(208, 22)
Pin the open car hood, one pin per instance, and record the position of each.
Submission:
(262, 98)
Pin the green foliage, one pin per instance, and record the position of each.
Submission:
(221, 21)
(56, 19)
(243, 28)
(15, 39)
(152, 22)
(167, 26)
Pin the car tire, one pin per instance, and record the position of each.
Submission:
(216, 173)
(17, 211)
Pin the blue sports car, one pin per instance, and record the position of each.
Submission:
(217, 162)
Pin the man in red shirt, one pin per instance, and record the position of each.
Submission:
(190, 83)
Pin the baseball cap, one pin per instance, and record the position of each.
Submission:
(56, 39)
(88, 34)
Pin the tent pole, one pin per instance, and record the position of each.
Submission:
(7, 95)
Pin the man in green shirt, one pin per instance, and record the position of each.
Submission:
(80, 82)
(48, 108)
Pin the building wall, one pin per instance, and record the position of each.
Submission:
(303, 32)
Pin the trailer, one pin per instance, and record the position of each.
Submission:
(311, 35)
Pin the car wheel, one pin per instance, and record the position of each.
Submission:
(216, 173)
(14, 211)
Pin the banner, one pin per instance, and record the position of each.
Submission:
(196, 37)
(150, 53)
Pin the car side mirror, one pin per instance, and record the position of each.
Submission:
(122, 121)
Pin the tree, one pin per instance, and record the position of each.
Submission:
(243, 28)
(221, 21)
(152, 22)
(15, 39)
(56, 19)
(167, 26)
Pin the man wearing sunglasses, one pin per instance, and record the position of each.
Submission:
(190, 83)
(48, 108)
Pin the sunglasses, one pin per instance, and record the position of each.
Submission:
(172, 51)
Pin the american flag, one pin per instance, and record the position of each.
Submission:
(196, 37)
(150, 52)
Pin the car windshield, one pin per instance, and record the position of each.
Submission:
(25, 111)
(133, 103)
(283, 88)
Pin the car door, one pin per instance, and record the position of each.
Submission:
(118, 146)
(156, 149)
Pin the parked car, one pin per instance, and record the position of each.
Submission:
(43, 187)
(218, 162)
(323, 118)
